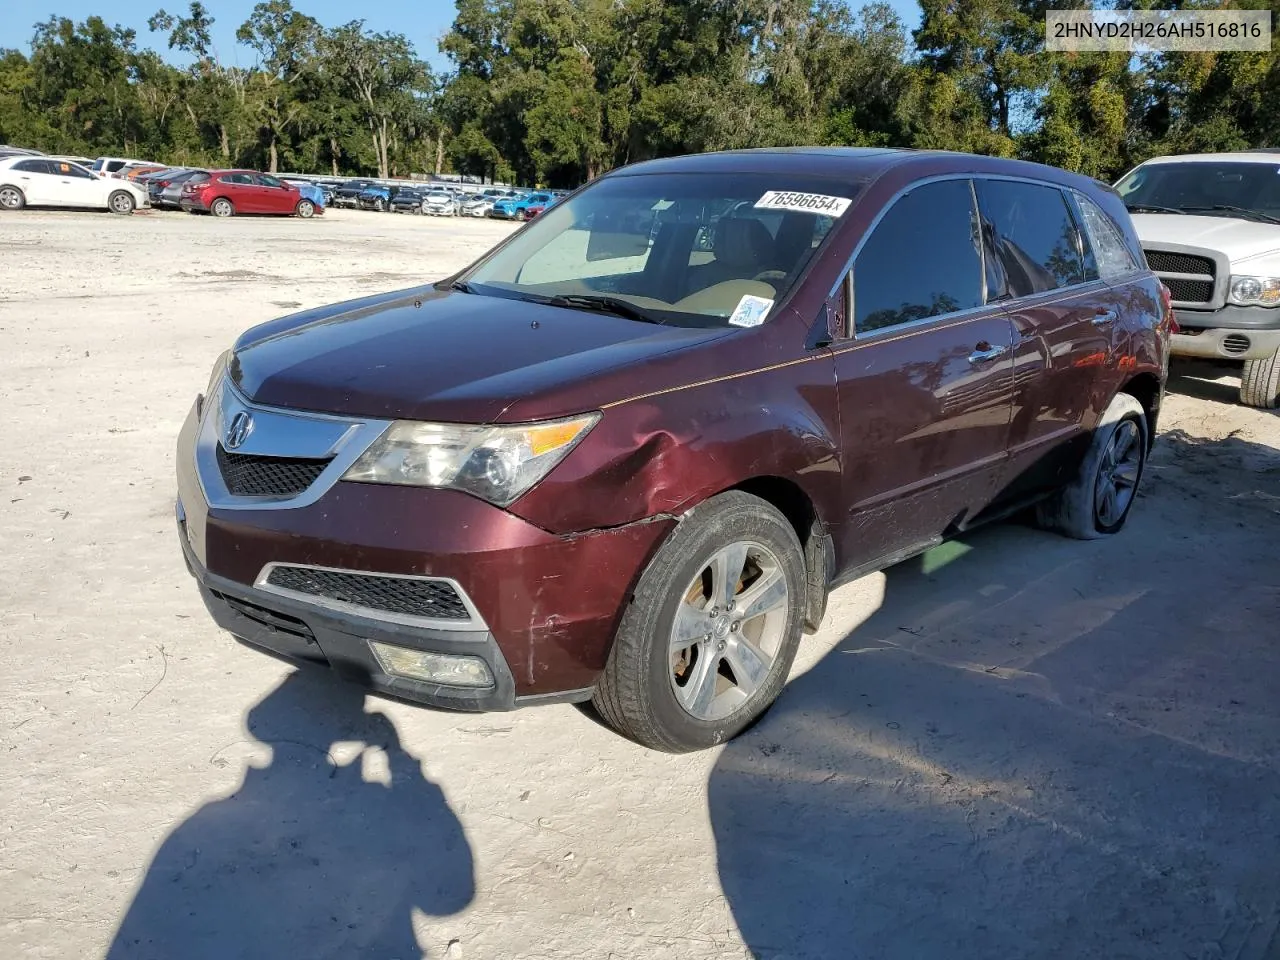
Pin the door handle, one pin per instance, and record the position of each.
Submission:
(984, 352)
(1103, 317)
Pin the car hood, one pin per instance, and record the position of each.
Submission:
(1237, 239)
(426, 354)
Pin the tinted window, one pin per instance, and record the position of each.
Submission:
(32, 166)
(1034, 237)
(65, 169)
(267, 181)
(1112, 254)
(921, 260)
(236, 178)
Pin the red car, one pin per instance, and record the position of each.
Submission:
(624, 456)
(224, 193)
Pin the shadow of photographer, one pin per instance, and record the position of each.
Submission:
(324, 851)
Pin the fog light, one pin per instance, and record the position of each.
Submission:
(444, 668)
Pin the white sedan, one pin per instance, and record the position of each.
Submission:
(48, 182)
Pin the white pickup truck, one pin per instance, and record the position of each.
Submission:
(1210, 226)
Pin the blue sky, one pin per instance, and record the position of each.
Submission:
(424, 23)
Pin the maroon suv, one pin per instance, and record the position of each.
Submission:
(626, 455)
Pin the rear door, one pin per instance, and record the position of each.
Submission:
(240, 189)
(1064, 318)
(36, 183)
(925, 377)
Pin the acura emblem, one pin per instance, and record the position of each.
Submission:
(240, 427)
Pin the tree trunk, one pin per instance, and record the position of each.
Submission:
(271, 152)
(333, 154)
(225, 142)
(439, 152)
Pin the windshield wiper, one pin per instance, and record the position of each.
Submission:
(603, 304)
(1151, 208)
(462, 287)
(1243, 211)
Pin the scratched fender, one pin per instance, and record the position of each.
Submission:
(708, 423)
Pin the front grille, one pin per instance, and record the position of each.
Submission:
(1189, 291)
(1164, 262)
(1235, 343)
(247, 475)
(407, 597)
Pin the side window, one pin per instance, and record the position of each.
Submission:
(75, 170)
(32, 166)
(922, 259)
(1033, 235)
(237, 178)
(1113, 256)
(267, 181)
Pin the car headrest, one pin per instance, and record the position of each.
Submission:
(742, 242)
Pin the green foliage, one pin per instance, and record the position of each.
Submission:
(558, 91)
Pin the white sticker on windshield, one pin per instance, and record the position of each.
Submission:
(803, 202)
(750, 311)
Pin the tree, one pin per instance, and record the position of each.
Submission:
(285, 41)
(383, 75)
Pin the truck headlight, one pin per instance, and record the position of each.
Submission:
(1255, 291)
(496, 463)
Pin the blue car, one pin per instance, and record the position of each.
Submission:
(517, 208)
(374, 198)
(309, 191)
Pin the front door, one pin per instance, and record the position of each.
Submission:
(924, 381)
(77, 185)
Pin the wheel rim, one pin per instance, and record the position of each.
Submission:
(120, 203)
(728, 630)
(1118, 474)
(8, 197)
(222, 208)
(304, 208)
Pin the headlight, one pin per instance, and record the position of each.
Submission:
(219, 368)
(1255, 291)
(495, 463)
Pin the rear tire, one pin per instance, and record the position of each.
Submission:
(1260, 382)
(121, 203)
(222, 207)
(305, 209)
(1097, 501)
(671, 682)
(11, 198)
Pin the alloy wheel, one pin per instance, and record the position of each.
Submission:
(120, 203)
(1118, 474)
(10, 198)
(728, 630)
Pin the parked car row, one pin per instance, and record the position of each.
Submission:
(122, 184)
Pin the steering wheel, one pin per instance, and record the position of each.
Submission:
(766, 275)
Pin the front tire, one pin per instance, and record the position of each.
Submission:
(222, 207)
(1260, 382)
(707, 641)
(305, 209)
(11, 198)
(1097, 501)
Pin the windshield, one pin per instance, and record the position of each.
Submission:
(698, 250)
(1212, 189)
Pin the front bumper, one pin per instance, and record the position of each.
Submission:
(302, 632)
(1229, 333)
(548, 605)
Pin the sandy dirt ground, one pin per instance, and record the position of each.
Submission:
(1016, 746)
